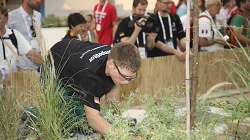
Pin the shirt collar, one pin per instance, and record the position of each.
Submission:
(26, 15)
(208, 14)
(7, 31)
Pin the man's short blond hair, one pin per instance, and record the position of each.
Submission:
(126, 55)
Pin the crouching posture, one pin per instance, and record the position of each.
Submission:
(91, 70)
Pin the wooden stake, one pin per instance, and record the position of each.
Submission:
(188, 81)
(195, 14)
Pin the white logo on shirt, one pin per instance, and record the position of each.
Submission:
(83, 54)
(98, 55)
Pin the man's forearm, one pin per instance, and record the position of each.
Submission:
(242, 38)
(165, 47)
(183, 44)
(132, 38)
(96, 122)
(168, 49)
(100, 125)
(115, 25)
(151, 44)
(204, 42)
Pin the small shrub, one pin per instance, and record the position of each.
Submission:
(53, 21)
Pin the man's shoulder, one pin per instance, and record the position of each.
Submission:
(14, 13)
(125, 20)
(36, 13)
(204, 17)
(175, 17)
(16, 33)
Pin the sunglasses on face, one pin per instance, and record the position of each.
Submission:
(125, 77)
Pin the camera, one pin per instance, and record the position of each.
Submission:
(151, 25)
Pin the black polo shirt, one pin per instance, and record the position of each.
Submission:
(81, 68)
(124, 31)
(177, 30)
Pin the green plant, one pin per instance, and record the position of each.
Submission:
(53, 21)
(55, 120)
(162, 122)
(9, 117)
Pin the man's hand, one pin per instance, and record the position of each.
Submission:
(181, 55)
(141, 21)
(35, 57)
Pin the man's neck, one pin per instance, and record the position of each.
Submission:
(28, 9)
(211, 12)
(3, 31)
(164, 14)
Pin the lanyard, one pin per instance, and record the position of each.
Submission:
(4, 53)
(104, 7)
(90, 39)
(163, 27)
(143, 35)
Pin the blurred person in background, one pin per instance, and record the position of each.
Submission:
(181, 8)
(106, 21)
(27, 21)
(210, 39)
(222, 17)
(184, 17)
(13, 44)
(234, 8)
(240, 24)
(135, 35)
(170, 32)
(90, 26)
(77, 29)
(172, 10)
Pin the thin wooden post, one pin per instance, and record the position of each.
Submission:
(188, 80)
(195, 14)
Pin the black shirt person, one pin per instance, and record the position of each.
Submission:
(134, 35)
(166, 41)
(91, 70)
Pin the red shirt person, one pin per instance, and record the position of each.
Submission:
(173, 8)
(106, 21)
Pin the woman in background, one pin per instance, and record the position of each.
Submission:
(77, 28)
(90, 27)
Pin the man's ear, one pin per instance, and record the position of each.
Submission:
(110, 63)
